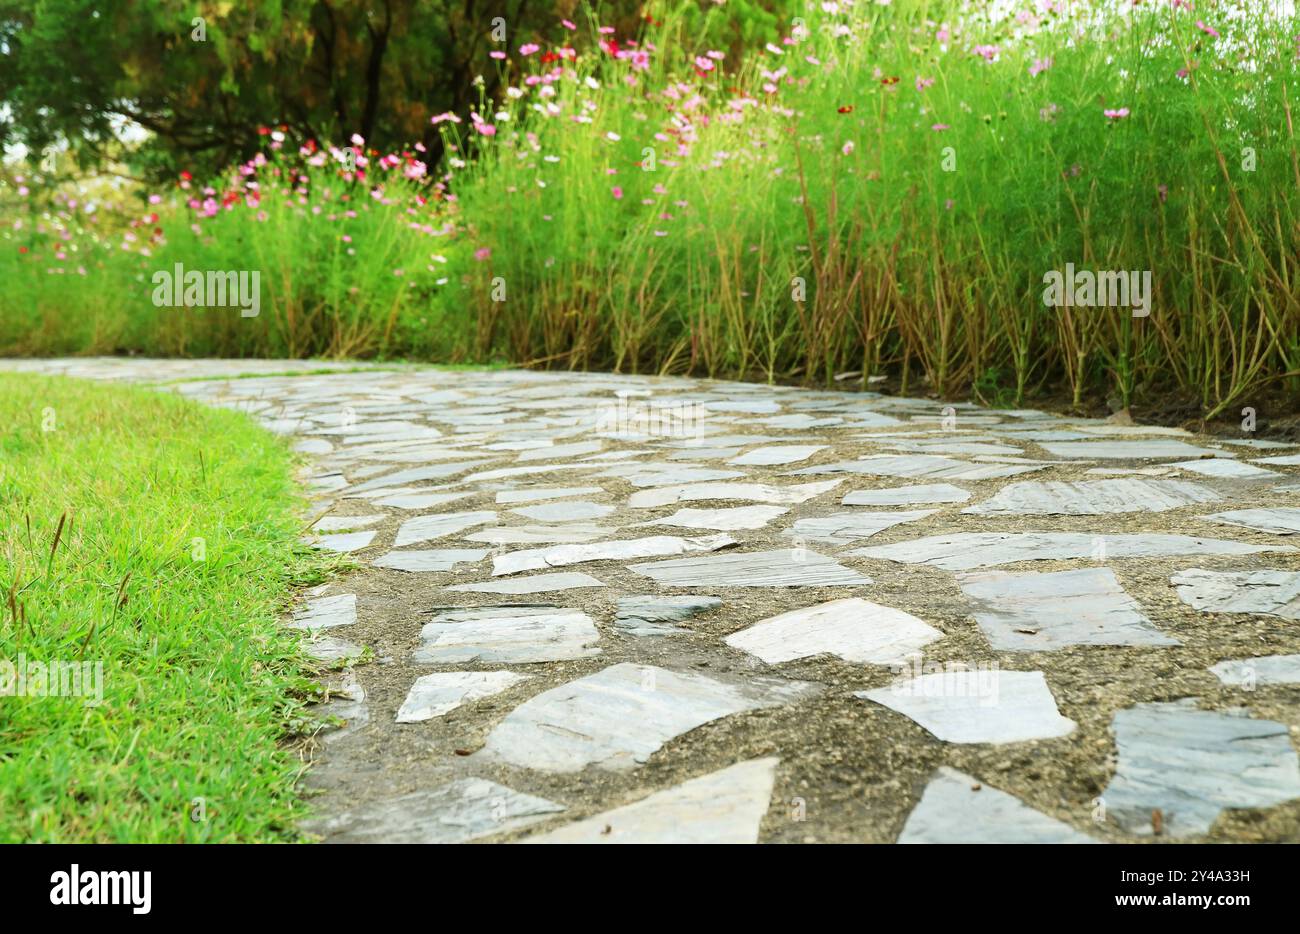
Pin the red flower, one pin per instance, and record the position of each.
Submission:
(263, 131)
(846, 109)
(186, 176)
(22, 249)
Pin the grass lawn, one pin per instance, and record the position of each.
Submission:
(177, 547)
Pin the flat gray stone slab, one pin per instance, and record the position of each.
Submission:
(777, 454)
(844, 528)
(345, 523)
(1281, 521)
(435, 559)
(1147, 449)
(329, 649)
(1191, 764)
(567, 511)
(742, 492)
(1273, 592)
(728, 519)
(345, 542)
(561, 451)
(463, 810)
(536, 559)
(438, 694)
(419, 500)
(539, 493)
(726, 806)
(536, 583)
(931, 466)
(908, 495)
(424, 528)
(327, 612)
(853, 629)
(618, 717)
(1223, 468)
(964, 551)
(1248, 673)
(783, 568)
(1092, 497)
(957, 808)
(506, 635)
(987, 706)
(1033, 612)
(568, 533)
(652, 615)
(416, 474)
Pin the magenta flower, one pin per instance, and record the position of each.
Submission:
(1119, 114)
(482, 253)
(617, 192)
(496, 53)
(528, 48)
(568, 25)
(1208, 30)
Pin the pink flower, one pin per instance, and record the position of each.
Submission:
(568, 25)
(1039, 65)
(939, 127)
(847, 148)
(988, 52)
(486, 129)
(1116, 114)
(617, 192)
(1208, 30)
(482, 253)
(923, 83)
(528, 48)
(496, 53)
(703, 64)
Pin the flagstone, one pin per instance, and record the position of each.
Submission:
(438, 694)
(463, 810)
(1150, 449)
(534, 494)
(1249, 673)
(919, 465)
(957, 808)
(964, 551)
(853, 629)
(573, 510)
(843, 528)
(987, 706)
(1280, 521)
(1092, 497)
(1221, 467)
(416, 474)
(725, 520)
(569, 533)
(535, 559)
(777, 455)
(1191, 764)
(536, 583)
(1033, 611)
(507, 634)
(435, 559)
(907, 495)
(652, 615)
(345, 523)
(561, 451)
(787, 567)
(751, 492)
(327, 612)
(439, 525)
(419, 500)
(1272, 592)
(723, 807)
(620, 716)
(345, 542)
(329, 649)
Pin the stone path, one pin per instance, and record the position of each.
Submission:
(616, 609)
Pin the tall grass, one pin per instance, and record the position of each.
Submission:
(881, 192)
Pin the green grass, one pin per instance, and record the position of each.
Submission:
(200, 684)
